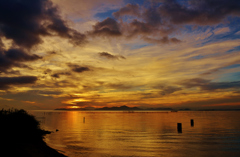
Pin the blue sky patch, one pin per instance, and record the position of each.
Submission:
(104, 15)
(234, 49)
(230, 77)
(232, 66)
(140, 2)
(134, 46)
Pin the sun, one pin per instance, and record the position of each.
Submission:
(73, 107)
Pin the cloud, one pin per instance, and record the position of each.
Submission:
(224, 102)
(222, 67)
(143, 22)
(108, 27)
(164, 40)
(78, 68)
(20, 55)
(110, 56)
(86, 9)
(57, 75)
(222, 85)
(6, 82)
(189, 83)
(137, 27)
(25, 22)
(221, 30)
(208, 85)
(129, 9)
(119, 86)
(202, 12)
(152, 16)
(160, 91)
(166, 90)
(155, 23)
(15, 58)
(47, 71)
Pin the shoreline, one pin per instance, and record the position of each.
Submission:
(26, 149)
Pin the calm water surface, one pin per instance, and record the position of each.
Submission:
(143, 134)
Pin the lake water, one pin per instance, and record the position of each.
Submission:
(142, 134)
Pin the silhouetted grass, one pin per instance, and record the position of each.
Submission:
(21, 135)
(18, 125)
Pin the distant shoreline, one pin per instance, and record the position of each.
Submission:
(126, 108)
(143, 110)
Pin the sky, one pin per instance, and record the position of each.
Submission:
(104, 53)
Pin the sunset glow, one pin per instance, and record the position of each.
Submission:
(73, 107)
(138, 53)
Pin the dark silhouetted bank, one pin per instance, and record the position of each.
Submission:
(21, 136)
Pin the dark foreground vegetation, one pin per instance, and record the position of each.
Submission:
(21, 136)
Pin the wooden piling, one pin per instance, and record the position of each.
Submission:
(179, 127)
(83, 119)
(192, 122)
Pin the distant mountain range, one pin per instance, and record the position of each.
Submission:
(126, 108)
(121, 108)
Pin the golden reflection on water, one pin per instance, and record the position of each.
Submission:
(143, 133)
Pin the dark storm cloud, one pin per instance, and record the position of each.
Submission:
(110, 56)
(208, 85)
(15, 58)
(108, 27)
(6, 82)
(20, 55)
(78, 68)
(26, 21)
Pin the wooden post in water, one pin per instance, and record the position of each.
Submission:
(192, 122)
(83, 119)
(179, 127)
